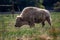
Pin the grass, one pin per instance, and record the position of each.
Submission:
(9, 32)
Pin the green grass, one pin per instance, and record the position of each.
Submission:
(9, 32)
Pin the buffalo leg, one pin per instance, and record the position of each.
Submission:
(43, 24)
(31, 23)
(49, 21)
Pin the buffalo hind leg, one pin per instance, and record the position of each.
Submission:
(43, 24)
(49, 21)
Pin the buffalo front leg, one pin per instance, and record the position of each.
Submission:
(31, 24)
(31, 21)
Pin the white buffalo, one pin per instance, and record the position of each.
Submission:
(31, 15)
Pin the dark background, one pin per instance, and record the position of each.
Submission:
(18, 5)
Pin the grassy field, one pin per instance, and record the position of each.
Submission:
(9, 32)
